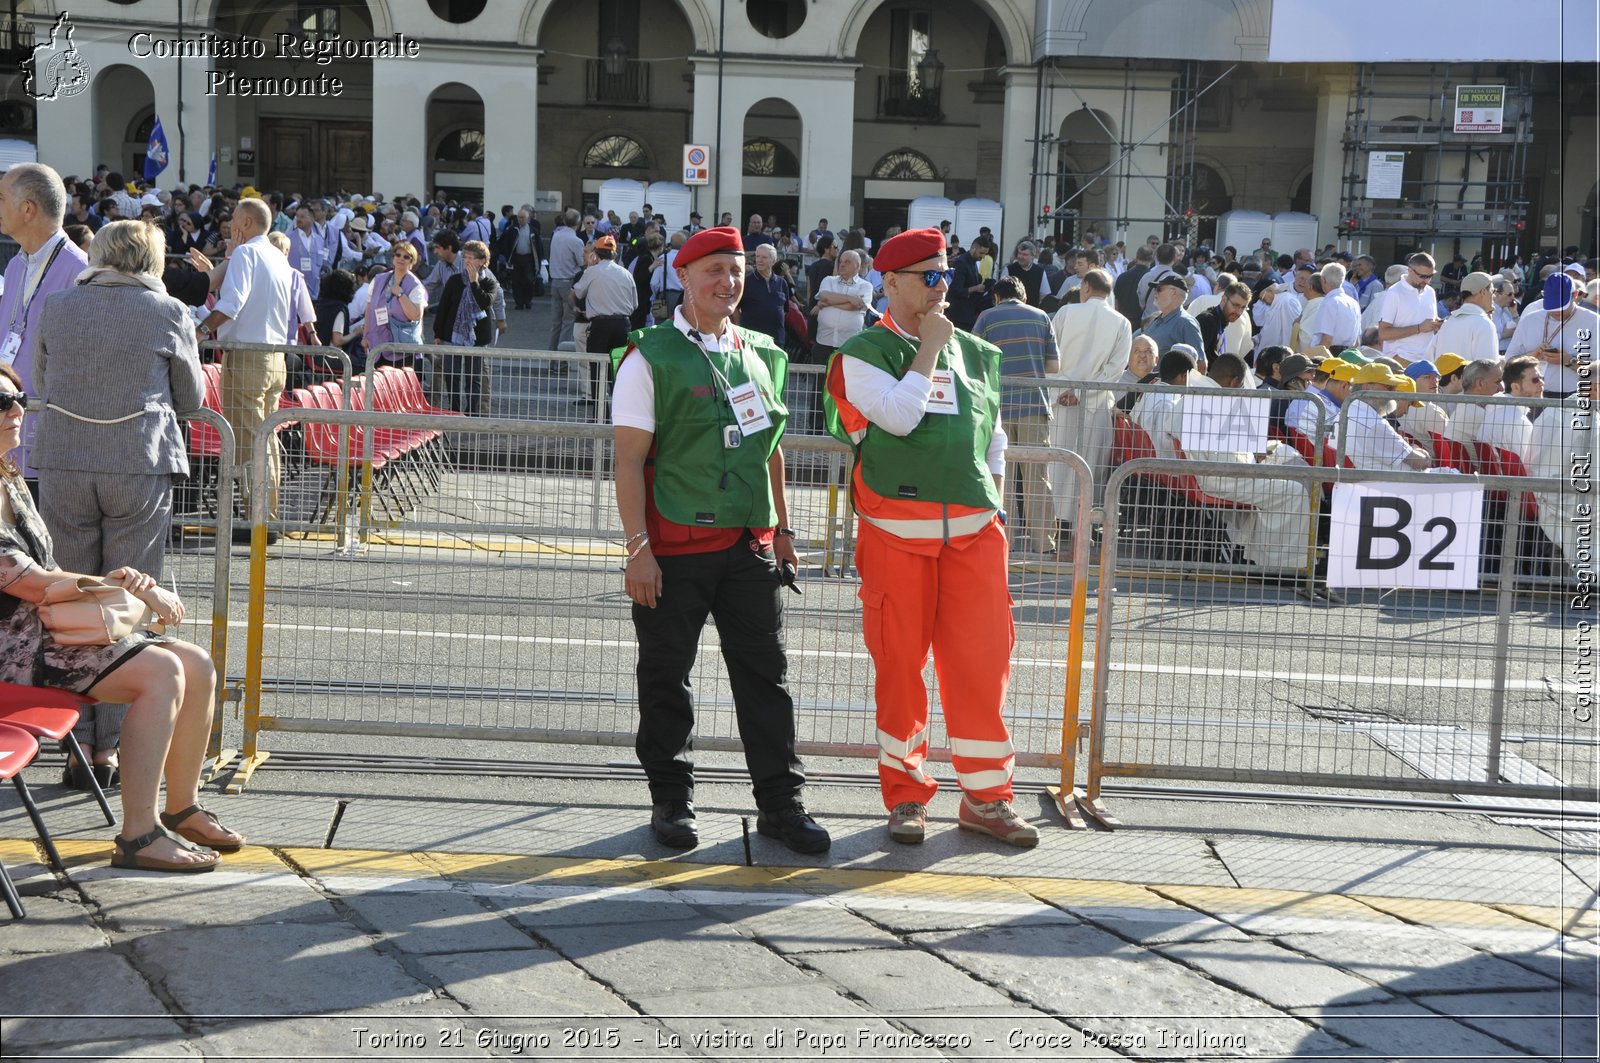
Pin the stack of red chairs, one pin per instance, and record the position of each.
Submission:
(28, 714)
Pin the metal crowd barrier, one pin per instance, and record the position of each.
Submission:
(1241, 674)
(494, 610)
(337, 354)
(198, 561)
(1448, 403)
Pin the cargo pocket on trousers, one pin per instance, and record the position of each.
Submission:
(871, 619)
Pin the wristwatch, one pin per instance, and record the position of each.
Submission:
(787, 531)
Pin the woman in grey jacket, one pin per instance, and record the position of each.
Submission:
(115, 364)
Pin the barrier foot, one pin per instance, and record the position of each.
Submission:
(1066, 804)
(219, 764)
(1097, 811)
(247, 767)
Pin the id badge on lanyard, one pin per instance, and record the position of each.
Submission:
(942, 396)
(749, 408)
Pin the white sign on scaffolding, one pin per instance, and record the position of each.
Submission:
(1385, 173)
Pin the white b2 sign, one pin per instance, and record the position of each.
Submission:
(1422, 536)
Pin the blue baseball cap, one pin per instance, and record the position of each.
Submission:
(1557, 291)
(1421, 368)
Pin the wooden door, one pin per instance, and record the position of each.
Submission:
(288, 161)
(346, 164)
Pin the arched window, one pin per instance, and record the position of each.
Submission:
(462, 145)
(1211, 195)
(142, 129)
(768, 158)
(905, 165)
(1300, 201)
(615, 152)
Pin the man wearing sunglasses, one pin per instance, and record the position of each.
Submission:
(920, 402)
(1410, 314)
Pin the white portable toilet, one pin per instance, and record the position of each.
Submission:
(926, 212)
(14, 151)
(1292, 230)
(1244, 230)
(672, 201)
(974, 214)
(621, 195)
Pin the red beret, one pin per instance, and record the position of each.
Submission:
(723, 238)
(911, 246)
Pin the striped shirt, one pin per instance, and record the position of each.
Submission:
(1026, 342)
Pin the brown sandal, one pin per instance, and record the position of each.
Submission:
(173, 820)
(128, 855)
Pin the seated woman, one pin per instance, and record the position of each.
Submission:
(168, 685)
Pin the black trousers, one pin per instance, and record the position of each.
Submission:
(605, 335)
(461, 381)
(738, 588)
(522, 267)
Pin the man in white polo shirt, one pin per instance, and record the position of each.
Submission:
(1470, 331)
(1338, 322)
(1410, 314)
(1560, 334)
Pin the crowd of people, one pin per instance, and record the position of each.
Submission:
(114, 291)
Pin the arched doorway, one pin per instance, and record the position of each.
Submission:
(1082, 188)
(898, 177)
(125, 103)
(932, 75)
(618, 68)
(311, 145)
(456, 144)
(771, 186)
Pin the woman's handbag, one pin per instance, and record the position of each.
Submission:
(401, 330)
(90, 612)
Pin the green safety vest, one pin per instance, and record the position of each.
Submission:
(698, 480)
(945, 458)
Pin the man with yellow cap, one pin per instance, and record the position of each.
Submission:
(1449, 365)
(699, 415)
(920, 402)
(1331, 383)
(1370, 441)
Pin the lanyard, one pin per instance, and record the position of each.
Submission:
(30, 293)
(1560, 324)
(716, 374)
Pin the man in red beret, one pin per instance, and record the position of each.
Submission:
(920, 401)
(699, 416)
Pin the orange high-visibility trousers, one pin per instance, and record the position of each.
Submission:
(951, 598)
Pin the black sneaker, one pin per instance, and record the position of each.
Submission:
(795, 828)
(674, 825)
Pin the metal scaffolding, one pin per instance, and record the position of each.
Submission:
(1058, 191)
(1410, 110)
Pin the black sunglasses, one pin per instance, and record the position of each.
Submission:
(930, 277)
(12, 398)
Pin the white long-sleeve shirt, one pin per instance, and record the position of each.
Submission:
(898, 406)
(1470, 333)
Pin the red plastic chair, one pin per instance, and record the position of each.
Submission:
(1452, 455)
(1189, 486)
(18, 749)
(1497, 462)
(204, 441)
(47, 713)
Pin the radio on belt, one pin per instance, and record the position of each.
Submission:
(731, 437)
